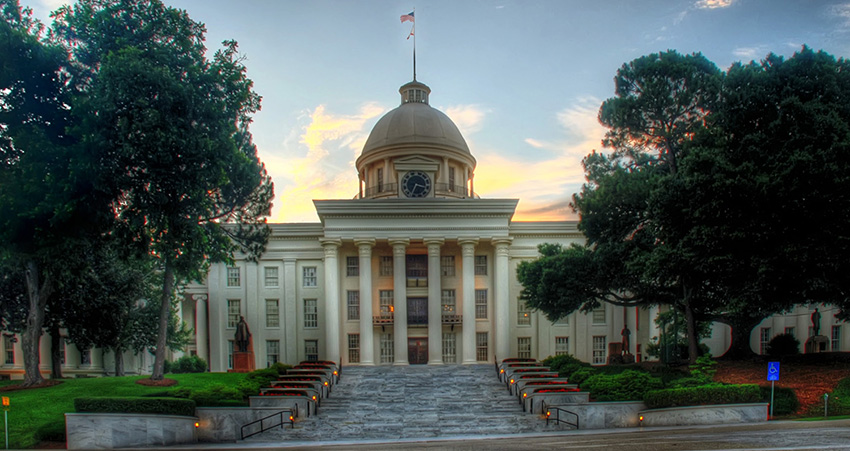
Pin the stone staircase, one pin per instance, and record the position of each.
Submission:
(413, 402)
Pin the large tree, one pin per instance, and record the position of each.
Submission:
(171, 131)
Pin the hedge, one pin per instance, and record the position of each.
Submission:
(629, 385)
(168, 406)
(785, 400)
(700, 396)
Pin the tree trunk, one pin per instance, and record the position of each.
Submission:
(37, 295)
(119, 362)
(164, 316)
(693, 340)
(739, 348)
(55, 355)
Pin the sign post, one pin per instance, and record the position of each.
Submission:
(772, 376)
(6, 418)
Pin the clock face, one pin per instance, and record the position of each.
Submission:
(416, 184)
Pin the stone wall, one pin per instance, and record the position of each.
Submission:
(533, 403)
(123, 430)
(716, 414)
(604, 415)
(224, 424)
(306, 407)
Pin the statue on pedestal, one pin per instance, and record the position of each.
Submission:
(816, 322)
(626, 333)
(243, 335)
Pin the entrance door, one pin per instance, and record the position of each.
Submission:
(417, 350)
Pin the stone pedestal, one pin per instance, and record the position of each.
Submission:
(818, 343)
(243, 362)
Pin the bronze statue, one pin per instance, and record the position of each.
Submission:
(243, 335)
(816, 322)
(626, 333)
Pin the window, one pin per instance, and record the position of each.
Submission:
(272, 352)
(229, 354)
(271, 276)
(352, 266)
(562, 346)
(523, 346)
(272, 313)
(789, 331)
(764, 339)
(353, 348)
(85, 357)
(449, 348)
(10, 351)
(480, 304)
(599, 350)
(233, 309)
(308, 277)
(311, 314)
(481, 346)
(311, 350)
(447, 265)
(480, 265)
(387, 348)
(448, 302)
(386, 301)
(523, 314)
(451, 179)
(386, 266)
(598, 315)
(380, 180)
(835, 337)
(233, 277)
(417, 271)
(353, 305)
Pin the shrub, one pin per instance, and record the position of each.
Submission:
(186, 364)
(627, 386)
(51, 432)
(843, 387)
(705, 395)
(255, 380)
(785, 400)
(281, 367)
(581, 375)
(783, 344)
(170, 406)
(566, 366)
(218, 395)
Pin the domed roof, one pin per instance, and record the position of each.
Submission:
(415, 123)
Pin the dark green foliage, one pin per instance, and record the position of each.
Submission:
(627, 386)
(839, 400)
(567, 366)
(186, 364)
(255, 380)
(785, 400)
(51, 432)
(218, 395)
(701, 396)
(581, 374)
(166, 406)
(843, 387)
(281, 367)
(783, 344)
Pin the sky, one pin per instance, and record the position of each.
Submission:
(522, 79)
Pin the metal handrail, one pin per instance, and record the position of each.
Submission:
(263, 428)
(548, 410)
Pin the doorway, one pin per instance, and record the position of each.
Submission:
(417, 350)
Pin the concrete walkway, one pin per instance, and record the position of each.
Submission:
(417, 401)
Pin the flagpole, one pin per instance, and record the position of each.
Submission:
(414, 46)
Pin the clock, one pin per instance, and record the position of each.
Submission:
(416, 184)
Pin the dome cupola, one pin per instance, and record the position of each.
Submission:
(419, 145)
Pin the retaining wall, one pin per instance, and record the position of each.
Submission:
(714, 414)
(124, 430)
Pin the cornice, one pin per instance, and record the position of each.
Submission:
(415, 208)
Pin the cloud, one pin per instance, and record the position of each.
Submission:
(842, 11)
(546, 186)
(326, 171)
(713, 4)
(43, 8)
(468, 118)
(748, 53)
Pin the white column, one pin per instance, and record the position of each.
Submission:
(435, 319)
(367, 346)
(289, 309)
(332, 324)
(400, 299)
(502, 301)
(467, 246)
(201, 327)
(472, 185)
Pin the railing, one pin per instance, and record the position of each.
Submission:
(382, 319)
(372, 191)
(557, 411)
(263, 427)
(457, 190)
(452, 319)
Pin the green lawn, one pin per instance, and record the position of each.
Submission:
(34, 413)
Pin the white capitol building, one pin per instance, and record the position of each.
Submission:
(415, 269)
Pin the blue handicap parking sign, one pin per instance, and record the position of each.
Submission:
(773, 371)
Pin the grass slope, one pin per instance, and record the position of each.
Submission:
(36, 412)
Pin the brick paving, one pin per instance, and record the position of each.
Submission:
(413, 402)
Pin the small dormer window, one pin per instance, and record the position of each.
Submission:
(417, 95)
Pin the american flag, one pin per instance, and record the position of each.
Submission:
(407, 18)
